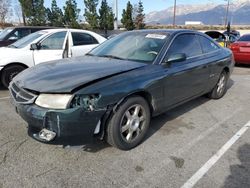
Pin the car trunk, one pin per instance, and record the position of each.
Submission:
(241, 47)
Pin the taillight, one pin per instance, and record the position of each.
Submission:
(234, 46)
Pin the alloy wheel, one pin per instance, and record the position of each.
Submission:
(221, 84)
(132, 123)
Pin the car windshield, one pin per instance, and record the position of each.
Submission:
(5, 32)
(134, 46)
(26, 40)
(244, 38)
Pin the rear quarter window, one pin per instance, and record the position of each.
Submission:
(207, 45)
(244, 38)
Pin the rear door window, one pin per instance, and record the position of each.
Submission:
(83, 39)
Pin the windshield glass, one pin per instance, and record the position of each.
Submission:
(26, 40)
(135, 46)
(5, 32)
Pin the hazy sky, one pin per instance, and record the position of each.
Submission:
(149, 5)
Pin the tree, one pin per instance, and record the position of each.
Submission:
(34, 12)
(90, 14)
(140, 16)
(127, 17)
(106, 18)
(4, 10)
(111, 18)
(71, 14)
(18, 11)
(24, 5)
(55, 15)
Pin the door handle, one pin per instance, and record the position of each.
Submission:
(205, 66)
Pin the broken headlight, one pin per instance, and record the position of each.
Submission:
(54, 101)
(88, 102)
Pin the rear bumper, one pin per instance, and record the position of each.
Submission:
(65, 123)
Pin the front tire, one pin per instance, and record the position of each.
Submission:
(9, 73)
(128, 126)
(220, 88)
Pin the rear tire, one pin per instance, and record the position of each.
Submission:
(220, 88)
(9, 73)
(128, 126)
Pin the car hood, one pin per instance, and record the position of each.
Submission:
(6, 51)
(63, 76)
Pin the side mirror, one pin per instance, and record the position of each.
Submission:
(176, 58)
(34, 46)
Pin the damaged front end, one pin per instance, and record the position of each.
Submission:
(47, 125)
(54, 116)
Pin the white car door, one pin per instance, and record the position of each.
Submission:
(81, 43)
(51, 48)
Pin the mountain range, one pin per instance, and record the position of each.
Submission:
(208, 14)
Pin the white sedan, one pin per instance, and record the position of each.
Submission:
(42, 46)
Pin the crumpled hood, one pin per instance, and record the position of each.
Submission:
(63, 76)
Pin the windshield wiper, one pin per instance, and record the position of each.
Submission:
(111, 56)
(12, 46)
(88, 54)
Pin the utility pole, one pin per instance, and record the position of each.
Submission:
(116, 14)
(174, 13)
(226, 18)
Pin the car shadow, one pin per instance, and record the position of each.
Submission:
(243, 65)
(240, 173)
(165, 120)
(96, 145)
(91, 145)
(162, 120)
(2, 88)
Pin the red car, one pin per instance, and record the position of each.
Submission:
(241, 49)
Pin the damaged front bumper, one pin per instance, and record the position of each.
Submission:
(46, 125)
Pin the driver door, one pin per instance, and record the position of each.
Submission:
(185, 79)
(51, 48)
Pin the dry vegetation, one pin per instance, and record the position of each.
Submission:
(3, 25)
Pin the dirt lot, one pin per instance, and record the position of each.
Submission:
(178, 144)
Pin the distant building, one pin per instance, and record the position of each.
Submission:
(193, 23)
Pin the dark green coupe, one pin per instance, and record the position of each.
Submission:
(115, 89)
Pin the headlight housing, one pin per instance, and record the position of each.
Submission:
(88, 102)
(54, 101)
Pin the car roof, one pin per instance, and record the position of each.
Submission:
(248, 34)
(65, 29)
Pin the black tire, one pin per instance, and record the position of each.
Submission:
(220, 88)
(135, 113)
(9, 73)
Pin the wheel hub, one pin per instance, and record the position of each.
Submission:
(135, 122)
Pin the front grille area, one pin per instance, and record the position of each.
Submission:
(20, 95)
